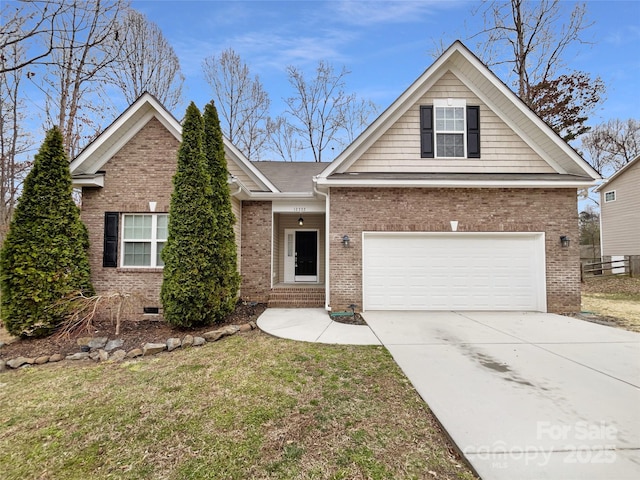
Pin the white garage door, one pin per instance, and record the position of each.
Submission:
(453, 271)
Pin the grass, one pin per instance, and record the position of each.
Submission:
(614, 297)
(251, 406)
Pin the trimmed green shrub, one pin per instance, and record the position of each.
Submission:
(187, 291)
(44, 261)
(225, 258)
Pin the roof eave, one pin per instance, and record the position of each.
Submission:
(617, 174)
(439, 183)
(80, 181)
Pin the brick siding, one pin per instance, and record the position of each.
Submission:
(553, 211)
(256, 250)
(141, 172)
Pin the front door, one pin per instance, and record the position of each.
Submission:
(301, 256)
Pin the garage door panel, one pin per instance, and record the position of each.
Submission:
(453, 271)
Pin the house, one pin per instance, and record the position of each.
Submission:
(620, 212)
(455, 198)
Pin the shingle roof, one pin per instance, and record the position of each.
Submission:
(291, 176)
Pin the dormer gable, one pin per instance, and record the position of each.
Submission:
(458, 119)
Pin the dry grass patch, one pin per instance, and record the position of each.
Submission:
(617, 298)
(251, 406)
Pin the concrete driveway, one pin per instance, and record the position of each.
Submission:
(525, 395)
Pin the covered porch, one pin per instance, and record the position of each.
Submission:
(298, 256)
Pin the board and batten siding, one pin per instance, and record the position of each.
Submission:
(502, 150)
(621, 218)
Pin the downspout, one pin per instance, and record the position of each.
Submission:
(327, 243)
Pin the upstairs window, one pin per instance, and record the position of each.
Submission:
(450, 129)
(143, 238)
(610, 196)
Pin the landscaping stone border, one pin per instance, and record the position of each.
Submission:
(103, 349)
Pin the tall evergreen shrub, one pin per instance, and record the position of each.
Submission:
(187, 292)
(225, 258)
(44, 258)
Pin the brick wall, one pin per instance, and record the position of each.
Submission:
(141, 172)
(256, 250)
(553, 211)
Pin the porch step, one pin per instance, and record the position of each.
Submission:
(296, 297)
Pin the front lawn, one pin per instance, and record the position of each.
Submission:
(615, 297)
(251, 406)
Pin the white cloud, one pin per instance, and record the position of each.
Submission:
(367, 13)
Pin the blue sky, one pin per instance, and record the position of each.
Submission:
(385, 45)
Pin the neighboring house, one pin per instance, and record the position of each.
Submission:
(455, 198)
(620, 212)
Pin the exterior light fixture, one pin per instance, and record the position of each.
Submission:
(564, 241)
(301, 221)
(345, 241)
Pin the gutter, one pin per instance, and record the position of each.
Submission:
(459, 184)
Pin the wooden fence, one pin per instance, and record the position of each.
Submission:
(627, 266)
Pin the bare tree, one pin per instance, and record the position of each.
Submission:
(28, 26)
(14, 142)
(531, 40)
(83, 49)
(357, 115)
(241, 100)
(145, 62)
(317, 108)
(283, 139)
(613, 144)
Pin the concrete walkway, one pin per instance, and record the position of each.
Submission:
(313, 325)
(523, 395)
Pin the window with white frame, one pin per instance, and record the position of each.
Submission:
(450, 127)
(610, 196)
(143, 238)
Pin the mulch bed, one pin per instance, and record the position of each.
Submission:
(135, 334)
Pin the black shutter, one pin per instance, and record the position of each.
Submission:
(473, 132)
(426, 131)
(110, 253)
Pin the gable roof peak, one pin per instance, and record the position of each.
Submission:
(494, 93)
(93, 157)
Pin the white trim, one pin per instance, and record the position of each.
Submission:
(615, 196)
(129, 123)
(96, 180)
(153, 240)
(524, 136)
(540, 251)
(289, 270)
(298, 206)
(356, 182)
(133, 118)
(457, 53)
(453, 103)
(327, 243)
(617, 174)
(231, 152)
